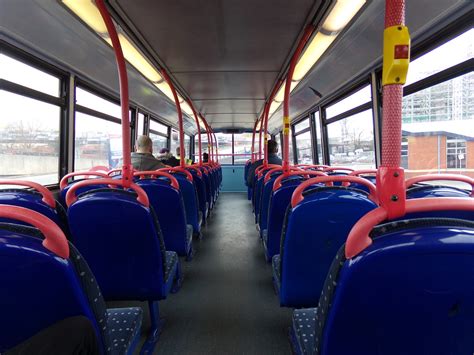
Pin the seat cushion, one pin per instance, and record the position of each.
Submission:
(124, 326)
(264, 234)
(276, 268)
(189, 233)
(304, 324)
(171, 264)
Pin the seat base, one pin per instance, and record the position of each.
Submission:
(303, 331)
(276, 276)
(124, 327)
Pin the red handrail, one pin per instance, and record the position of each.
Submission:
(198, 129)
(64, 181)
(141, 194)
(48, 197)
(153, 173)
(286, 102)
(274, 170)
(179, 169)
(101, 168)
(277, 183)
(363, 172)
(113, 171)
(124, 103)
(260, 168)
(444, 177)
(266, 112)
(54, 238)
(297, 196)
(335, 168)
(359, 238)
(196, 169)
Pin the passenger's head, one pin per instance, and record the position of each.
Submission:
(178, 151)
(272, 147)
(205, 157)
(144, 145)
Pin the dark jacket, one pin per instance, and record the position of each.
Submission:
(272, 159)
(171, 161)
(145, 161)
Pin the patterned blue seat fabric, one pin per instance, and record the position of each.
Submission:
(63, 288)
(265, 203)
(276, 271)
(191, 204)
(303, 326)
(313, 232)
(124, 326)
(436, 272)
(168, 205)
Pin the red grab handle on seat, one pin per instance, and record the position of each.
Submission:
(196, 169)
(48, 197)
(54, 239)
(334, 168)
(447, 177)
(113, 171)
(101, 168)
(274, 170)
(297, 196)
(71, 194)
(259, 169)
(359, 239)
(179, 169)
(277, 183)
(63, 182)
(363, 172)
(173, 182)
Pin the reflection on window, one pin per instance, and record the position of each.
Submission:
(24, 74)
(456, 153)
(224, 141)
(204, 146)
(319, 147)
(242, 147)
(159, 142)
(92, 101)
(140, 124)
(301, 126)
(303, 148)
(351, 141)
(158, 127)
(453, 52)
(97, 142)
(358, 98)
(29, 139)
(278, 140)
(174, 140)
(187, 144)
(436, 122)
(291, 157)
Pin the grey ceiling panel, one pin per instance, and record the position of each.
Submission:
(228, 106)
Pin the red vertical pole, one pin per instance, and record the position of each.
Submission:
(266, 113)
(127, 169)
(180, 118)
(209, 140)
(286, 102)
(253, 140)
(260, 138)
(199, 131)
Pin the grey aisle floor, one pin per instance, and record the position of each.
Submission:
(226, 304)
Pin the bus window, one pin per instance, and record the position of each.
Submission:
(278, 140)
(224, 141)
(438, 120)
(29, 139)
(174, 141)
(351, 141)
(242, 147)
(303, 148)
(90, 100)
(204, 146)
(140, 124)
(97, 142)
(319, 147)
(356, 99)
(159, 142)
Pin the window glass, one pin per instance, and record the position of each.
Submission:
(29, 139)
(438, 128)
(351, 141)
(159, 142)
(358, 98)
(187, 144)
(97, 142)
(158, 127)
(174, 141)
(203, 146)
(26, 75)
(278, 140)
(242, 147)
(301, 126)
(303, 148)
(319, 137)
(453, 52)
(224, 141)
(92, 101)
(140, 124)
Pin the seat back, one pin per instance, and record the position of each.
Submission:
(278, 204)
(121, 240)
(34, 201)
(258, 190)
(168, 205)
(410, 292)
(246, 170)
(265, 202)
(314, 231)
(201, 194)
(426, 190)
(61, 287)
(189, 193)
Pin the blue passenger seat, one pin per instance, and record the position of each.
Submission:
(61, 288)
(410, 292)
(313, 232)
(188, 191)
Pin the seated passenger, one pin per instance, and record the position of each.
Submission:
(143, 158)
(178, 156)
(74, 335)
(167, 158)
(273, 158)
(205, 158)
